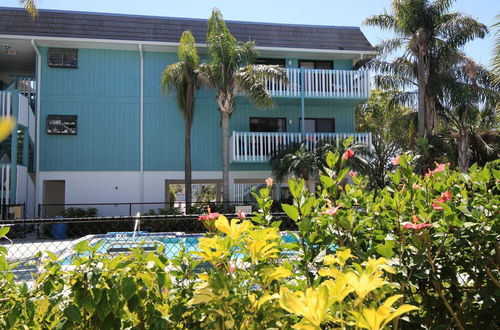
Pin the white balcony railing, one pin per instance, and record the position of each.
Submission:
(258, 146)
(322, 83)
(4, 184)
(5, 104)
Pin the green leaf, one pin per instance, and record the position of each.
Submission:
(129, 287)
(295, 187)
(386, 249)
(73, 313)
(326, 181)
(88, 304)
(307, 206)
(81, 247)
(342, 174)
(331, 159)
(347, 142)
(4, 231)
(133, 303)
(291, 211)
(396, 177)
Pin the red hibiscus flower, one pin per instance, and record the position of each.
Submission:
(332, 210)
(445, 197)
(416, 226)
(347, 154)
(209, 216)
(352, 173)
(439, 168)
(395, 160)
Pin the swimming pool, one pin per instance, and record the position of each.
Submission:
(115, 243)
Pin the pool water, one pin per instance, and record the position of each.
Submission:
(123, 242)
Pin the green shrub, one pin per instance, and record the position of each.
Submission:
(75, 212)
(358, 258)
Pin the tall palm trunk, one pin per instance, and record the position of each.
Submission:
(422, 84)
(187, 164)
(430, 115)
(463, 146)
(225, 158)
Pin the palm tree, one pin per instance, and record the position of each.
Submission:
(298, 160)
(183, 77)
(30, 6)
(496, 52)
(468, 102)
(393, 129)
(230, 72)
(426, 31)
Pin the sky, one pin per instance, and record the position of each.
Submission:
(312, 12)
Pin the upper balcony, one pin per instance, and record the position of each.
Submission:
(258, 147)
(315, 83)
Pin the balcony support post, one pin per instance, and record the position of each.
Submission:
(302, 110)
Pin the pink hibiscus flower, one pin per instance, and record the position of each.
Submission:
(347, 154)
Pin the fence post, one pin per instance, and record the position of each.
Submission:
(38, 211)
(130, 209)
(24, 220)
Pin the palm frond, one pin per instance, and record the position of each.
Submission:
(251, 79)
(383, 21)
(246, 53)
(495, 67)
(172, 76)
(187, 50)
(206, 76)
(442, 6)
(30, 6)
(389, 46)
(457, 29)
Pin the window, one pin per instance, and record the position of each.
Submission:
(61, 124)
(325, 65)
(319, 125)
(63, 58)
(271, 61)
(261, 124)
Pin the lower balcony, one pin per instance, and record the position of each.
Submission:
(257, 147)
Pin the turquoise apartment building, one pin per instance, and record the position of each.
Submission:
(99, 129)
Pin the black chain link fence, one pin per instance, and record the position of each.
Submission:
(116, 232)
(132, 209)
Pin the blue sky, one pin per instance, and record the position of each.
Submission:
(318, 12)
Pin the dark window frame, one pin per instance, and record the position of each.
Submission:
(316, 62)
(65, 58)
(316, 123)
(267, 118)
(271, 61)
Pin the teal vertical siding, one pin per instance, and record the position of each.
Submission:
(104, 93)
(165, 128)
(342, 64)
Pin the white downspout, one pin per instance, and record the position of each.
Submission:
(141, 148)
(37, 127)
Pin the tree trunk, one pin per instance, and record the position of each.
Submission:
(463, 150)
(187, 164)
(225, 159)
(430, 115)
(422, 85)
